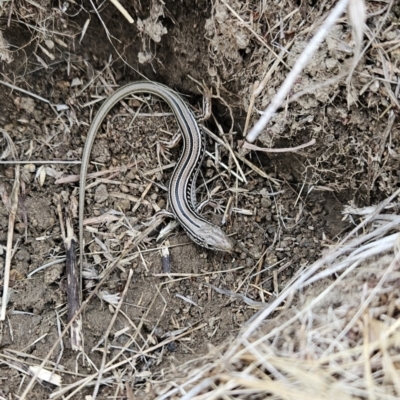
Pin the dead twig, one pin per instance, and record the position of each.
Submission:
(298, 67)
(73, 295)
(122, 10)
(9, 251)
(250, 146)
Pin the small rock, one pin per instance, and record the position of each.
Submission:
(20, 227)
(240, 318)
(331, 63)
(27, 104)
(76, 82)
(30, 167)
(124, 189)
(249, 262)
(64, 196)
(22, 255)
(101, 194)
(255, 251)
(265, 202)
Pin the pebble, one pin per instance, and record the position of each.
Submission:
(23, 255)
(265, 202)
(124, 189)
(30, 167)
(27, 104)
(101, 194)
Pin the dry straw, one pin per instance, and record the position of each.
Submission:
(339, 339)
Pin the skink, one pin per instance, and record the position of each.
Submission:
(182, 186)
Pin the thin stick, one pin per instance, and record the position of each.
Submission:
(11, 222)
(73, 295)
(73, 300)
(122, 10)
(258, 88)
(298, 67)
(282, 150)
(41, 162)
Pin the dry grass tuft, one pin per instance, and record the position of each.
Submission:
(333, 331)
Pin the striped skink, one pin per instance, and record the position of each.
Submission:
(182, 186)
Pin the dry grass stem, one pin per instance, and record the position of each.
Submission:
(259, 87)
(278, 99)
(113, 365)
(47, 265)
(73, 284)
(103, 277)
(283, 150)
(122, 10)
(72, 162)
(73, 280)
(256, 35)
(9, 251)
(258, 361)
